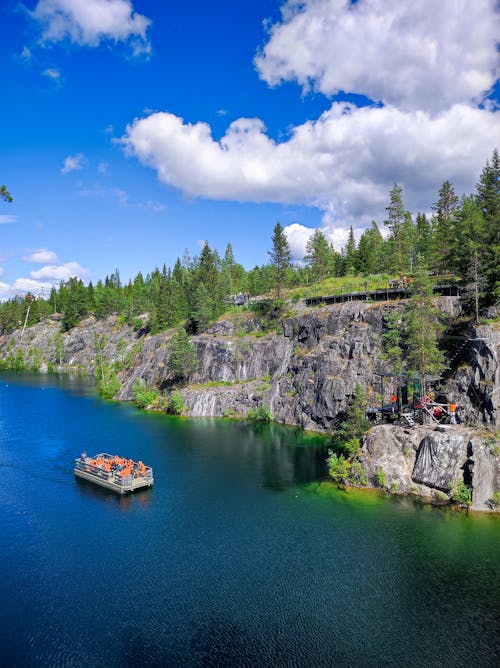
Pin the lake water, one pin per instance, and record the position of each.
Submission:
(236, 557)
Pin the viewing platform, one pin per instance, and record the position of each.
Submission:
(116, 473)
(384, 294)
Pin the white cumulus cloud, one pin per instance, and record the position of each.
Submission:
(61, 272)
(73, 163)
(41, 256)
(415, 55)
(90, 22)
(427, 66)
(344, 163)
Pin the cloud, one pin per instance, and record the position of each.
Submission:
(421, 55)
(73, 162)
(42, 256)
(122, 196)
(52, 73)
(152, 205)
(62, 272)
(23, 285)
(90, 22)
(6, 218)
(25, 55)
(298, 235)
(344, 162)
(102, 167)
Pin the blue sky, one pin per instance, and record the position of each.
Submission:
(133, 130)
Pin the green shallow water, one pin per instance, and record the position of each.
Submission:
(239, 556)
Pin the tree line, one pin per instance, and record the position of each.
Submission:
(462, 236)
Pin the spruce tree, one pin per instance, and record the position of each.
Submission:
(182, 359)
(421, 318)
(371, 258)
(423, 233)
(318, 255)
(488, 199)
(350, 255)
(202, 311)
(281, 257)
(395, 222)
(442, 228)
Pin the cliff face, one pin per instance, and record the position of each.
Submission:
(305, 372)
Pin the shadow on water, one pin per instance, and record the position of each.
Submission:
(122, 502)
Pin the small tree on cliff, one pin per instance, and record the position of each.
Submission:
(423, 328)
(347, 437)
(183, 360)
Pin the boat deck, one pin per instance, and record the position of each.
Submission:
(113, 472)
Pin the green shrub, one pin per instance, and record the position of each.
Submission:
(349, 447)
(19, 363)
(495, 500)
(460, 493)
(380, 477)
(37, 359)
(338, 467)
(357, 474)
(109, 385)
(260, 414)
(176, 403)
(143, 395)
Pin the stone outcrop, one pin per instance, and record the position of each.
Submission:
(427, 461)
(438, 459)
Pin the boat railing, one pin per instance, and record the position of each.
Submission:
(125, 482)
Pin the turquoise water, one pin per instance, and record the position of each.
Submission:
(237, 557)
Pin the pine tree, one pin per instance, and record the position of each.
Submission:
(5, 194)
(281, 257)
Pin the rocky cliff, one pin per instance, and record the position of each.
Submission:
(305, 371)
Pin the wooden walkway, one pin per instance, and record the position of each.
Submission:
(340, 297)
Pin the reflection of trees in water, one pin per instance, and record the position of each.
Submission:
(288, 456)
(282, 455)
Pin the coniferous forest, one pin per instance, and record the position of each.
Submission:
(461, 237)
